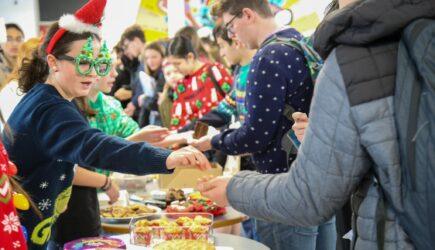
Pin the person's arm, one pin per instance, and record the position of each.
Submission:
(331, 162)
(87, 178)
(150, 134)
(66, 135)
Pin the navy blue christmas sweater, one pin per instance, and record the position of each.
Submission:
(278, 76)
(50, 136)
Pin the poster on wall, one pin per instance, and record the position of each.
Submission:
(152, 18)
(152, 15)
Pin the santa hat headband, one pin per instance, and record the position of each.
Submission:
(86, 19)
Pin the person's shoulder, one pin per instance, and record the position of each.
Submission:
(111, 100)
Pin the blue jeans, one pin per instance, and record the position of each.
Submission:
(278, 236)
(248, 229)
(327, 237)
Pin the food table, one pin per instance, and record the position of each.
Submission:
(232, 217)
(222, 242)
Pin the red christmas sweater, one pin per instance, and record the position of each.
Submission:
(196, 94)
(11, 233)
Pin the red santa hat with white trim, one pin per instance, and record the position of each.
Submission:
(86, 19)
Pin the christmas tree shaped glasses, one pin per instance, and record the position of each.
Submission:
(84, 62)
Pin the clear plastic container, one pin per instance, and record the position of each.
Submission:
(133, 183)
(153, 229)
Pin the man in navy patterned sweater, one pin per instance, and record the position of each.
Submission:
(278, 76)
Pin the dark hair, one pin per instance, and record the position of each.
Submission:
(82, 103)
(220, 32)
(180, 47)
(333, 6)
(235, 7)
(132, 32)
(14, 26)
(36, 70)
(190, 33)
(156, 46)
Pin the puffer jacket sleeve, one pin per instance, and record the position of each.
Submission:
(330, 164)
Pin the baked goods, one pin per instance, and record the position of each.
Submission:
(172, 231)
(130, 211)
(200, 220)
(148, 232)
(175, 195)
(143, 235)
(184, 245)
(198, 232)
(196, 204)
(201, 129)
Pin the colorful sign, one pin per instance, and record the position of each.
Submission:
(152, 18)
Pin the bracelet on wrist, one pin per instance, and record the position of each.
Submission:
(106, 183)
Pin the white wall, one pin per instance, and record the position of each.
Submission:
(119, 14)
(25, 13)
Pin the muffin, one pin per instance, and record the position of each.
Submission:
(172, 231)
(184, 221)
(202, 220)
(199, 232)
(142, 236)
(142, 223)
(158, 226)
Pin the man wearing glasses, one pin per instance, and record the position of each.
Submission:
(278, 77)
(9, 51)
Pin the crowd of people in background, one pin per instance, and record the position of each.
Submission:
(252, 80)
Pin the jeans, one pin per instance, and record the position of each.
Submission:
(327, 237)
(248, 229)
(278, 236)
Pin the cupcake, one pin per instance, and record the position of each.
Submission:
(202, 220)
(158, 226)
(142, 223)
(184, 221)
(199, 232)
(172, 231)
(142, 236)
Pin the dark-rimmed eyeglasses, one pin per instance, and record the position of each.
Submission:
(229, 26)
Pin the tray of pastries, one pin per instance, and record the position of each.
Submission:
(117, 214)
(152, 230)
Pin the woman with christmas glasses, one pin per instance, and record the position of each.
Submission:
(50, 135)
(203, 86)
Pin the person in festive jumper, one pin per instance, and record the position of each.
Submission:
(278, 76)
(104, 113)
(235, 53)
(203, 86)
(12, 234)
(50, 135)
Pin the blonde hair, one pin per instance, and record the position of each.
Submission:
(24, 53)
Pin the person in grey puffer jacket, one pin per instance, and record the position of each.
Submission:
(351, 132)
